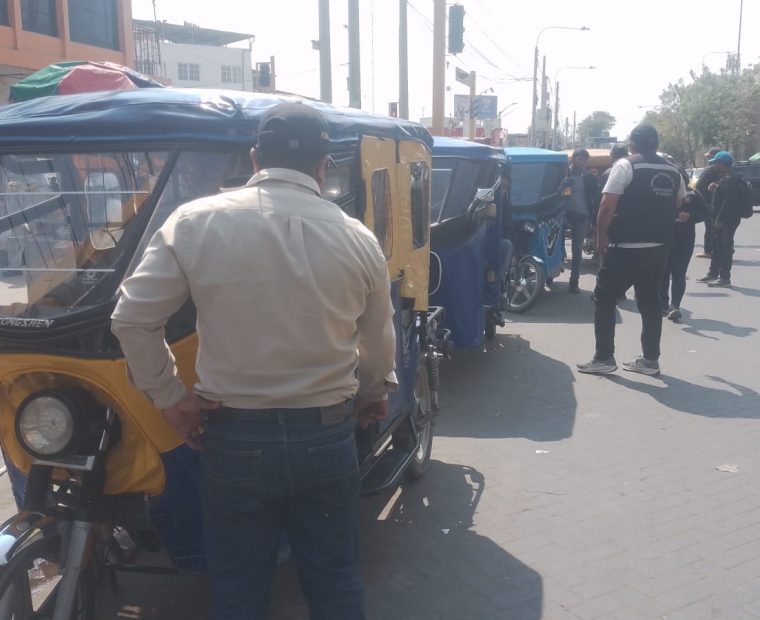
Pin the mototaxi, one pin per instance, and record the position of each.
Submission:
(468, 254)
(91, 462)
(536, 223)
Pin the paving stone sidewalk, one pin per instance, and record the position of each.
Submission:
(557, 495)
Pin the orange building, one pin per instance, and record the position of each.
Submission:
(36, 33)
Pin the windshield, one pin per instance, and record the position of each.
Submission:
(532, 182)
(454, 183)
(69, 222)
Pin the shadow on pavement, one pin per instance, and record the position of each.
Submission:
(485, 395)
(420, 559)
(699, 326)
(679, 395)
(749, 292)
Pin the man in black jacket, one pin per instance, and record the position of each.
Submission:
(708, 176)
(635, 228)
(726, 206)
(581, 199)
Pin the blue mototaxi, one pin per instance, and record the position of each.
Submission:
(535, 221)
(467, 250)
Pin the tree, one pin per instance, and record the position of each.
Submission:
(595, 125)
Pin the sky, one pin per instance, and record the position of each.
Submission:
(637, 48)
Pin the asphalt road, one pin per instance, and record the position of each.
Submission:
(556, 495)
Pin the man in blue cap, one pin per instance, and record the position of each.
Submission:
(726, 207)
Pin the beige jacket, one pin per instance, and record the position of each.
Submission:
(293, 300)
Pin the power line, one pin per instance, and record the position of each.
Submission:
(494, 43)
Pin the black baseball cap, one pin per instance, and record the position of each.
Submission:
(293, 128)
(645, 137)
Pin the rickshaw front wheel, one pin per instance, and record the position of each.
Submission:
(422, 419)
(29, 584)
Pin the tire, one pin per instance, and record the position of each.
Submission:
(526, 283)
(29, 584)
(422, 419)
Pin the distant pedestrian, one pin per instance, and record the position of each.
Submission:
(727, 198)
(581, 193)
(693, 210)
(635, 229)
(709, 175)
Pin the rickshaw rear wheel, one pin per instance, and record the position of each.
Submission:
(29, 584)
(422, 419)
(526, 283)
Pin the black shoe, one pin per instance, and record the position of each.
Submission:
(573, 288)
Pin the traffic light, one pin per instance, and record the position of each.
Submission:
(265, 74)
(456, 28)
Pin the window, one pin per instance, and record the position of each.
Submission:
(381, 205)
(39, 16)
(4, 13)
(533, 182)
(420, 192)
(189, 71)
(231, 74)
(94, 22)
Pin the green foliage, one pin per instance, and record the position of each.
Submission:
(714, 109)
(596, 124)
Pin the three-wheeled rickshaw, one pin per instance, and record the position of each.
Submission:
(94, 468)
(536, 221)
(468, 253)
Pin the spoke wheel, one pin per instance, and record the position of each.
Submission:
(29, 585)
(526, 283)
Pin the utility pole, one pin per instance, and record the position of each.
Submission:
(534, 105)
(574, 130)
(567, 132)
(325, 61)
(543, 105)
(354, 56)
(739, 44)
(272, 76)
(556, 116)
(470, 115)
(439, 65)
(403, 61)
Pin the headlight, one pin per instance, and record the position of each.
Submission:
(529, 227)
(46, 426)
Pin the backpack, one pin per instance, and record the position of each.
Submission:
(744, 194)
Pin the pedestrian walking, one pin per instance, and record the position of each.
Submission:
(728, 201)
(706, 179)
(635, 229)
(581, 193)
(294, 320)
(693, 210)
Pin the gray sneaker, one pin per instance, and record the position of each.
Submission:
(598, 367)
(707, 278)
(643, 366)
(723, 282)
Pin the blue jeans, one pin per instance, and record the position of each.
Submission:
(265, 472)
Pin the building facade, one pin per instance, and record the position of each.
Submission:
(36, 33)
(193, 57)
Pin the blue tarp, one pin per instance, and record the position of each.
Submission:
(452, 147)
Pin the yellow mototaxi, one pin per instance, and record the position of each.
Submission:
(85, 181)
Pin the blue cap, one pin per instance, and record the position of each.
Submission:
(722, 157)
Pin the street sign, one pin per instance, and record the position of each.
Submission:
(462, 76)
(393, 109)
(483, 107)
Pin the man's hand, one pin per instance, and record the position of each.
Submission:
(369, 411)
(602, 244)
(187, 416)
(683, 216)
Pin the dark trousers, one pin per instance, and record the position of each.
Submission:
(722, 251)
(674, 281)
(644, 269)
(578, 225)
(274, 471)
(708, 242)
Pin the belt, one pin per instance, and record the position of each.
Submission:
(328, 416)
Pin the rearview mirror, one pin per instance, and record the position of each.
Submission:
(104, 209)
(486, 194)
